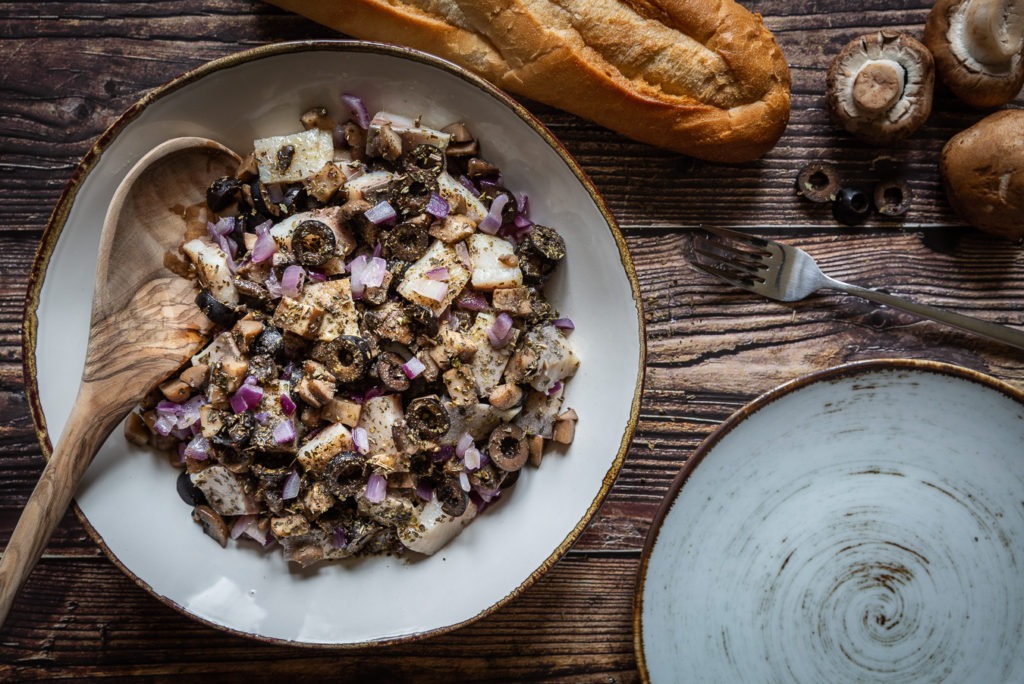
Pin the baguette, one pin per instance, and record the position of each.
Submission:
(700, 77)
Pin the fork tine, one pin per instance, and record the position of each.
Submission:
(740, 261)
(727, 234)
(734, 278)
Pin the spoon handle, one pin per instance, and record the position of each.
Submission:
(90, 423)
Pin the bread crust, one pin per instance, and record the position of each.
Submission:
(700, 77)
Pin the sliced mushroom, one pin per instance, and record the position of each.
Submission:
(212, 523)
(979, 48)
(879, 87)
(983, 172)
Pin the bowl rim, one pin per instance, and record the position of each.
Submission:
(59, 215)
(833, 374)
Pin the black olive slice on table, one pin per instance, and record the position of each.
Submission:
(507, 447)
(851, 206)
(818, 182)
(892, 197)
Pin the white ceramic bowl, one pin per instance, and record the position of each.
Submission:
(128, 498)
(863, 524)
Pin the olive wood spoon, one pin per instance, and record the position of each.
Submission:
(144, 326)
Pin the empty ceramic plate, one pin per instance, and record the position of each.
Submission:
(861, 524)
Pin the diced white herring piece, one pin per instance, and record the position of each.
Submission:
(367, 182)
(329, 216)
(456, 194)
(211, 264)
(334, 297)
(433, 528)
(407, 128)
(476, 419)
(221, 347)
(556, 358)
(488, 364)
(416, 285)
(540, 410)
(224, 491)
(378, 418)
(494, 263)
(310, 151)
(315, 454)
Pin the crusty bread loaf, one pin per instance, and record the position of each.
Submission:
(701, 77)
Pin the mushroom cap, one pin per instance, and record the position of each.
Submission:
(982, 170)
(879, 87)
(981, 64)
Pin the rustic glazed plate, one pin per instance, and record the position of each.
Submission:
(128, 498)
(864, 524)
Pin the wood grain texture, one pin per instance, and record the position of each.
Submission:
(74, 66)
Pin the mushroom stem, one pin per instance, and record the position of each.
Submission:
(994, 29)
(879, 85)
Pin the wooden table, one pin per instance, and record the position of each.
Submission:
(69, 68)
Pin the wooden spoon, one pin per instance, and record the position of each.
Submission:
(144, 326)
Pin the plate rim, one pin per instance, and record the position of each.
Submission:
(834, 373)
(61, 211)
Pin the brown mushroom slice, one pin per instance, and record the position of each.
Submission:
(982, 169)
(507, 447)
(212, 524)
(880, 86)
(979, 48)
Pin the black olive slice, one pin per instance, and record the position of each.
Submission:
(508, 212)
(346, 357)
(389, 370)
(422, 318)
(427, 417)
(851, 206)
(407, 241)
(222, 193)
(313, 243)
(219, 313)
(539, 252)
(892, 197)
(818, 182)
(451, 496)
(187, 490)
(340, 472)
(285, 155)
(424, 163)
(269, 342)
(507, 447)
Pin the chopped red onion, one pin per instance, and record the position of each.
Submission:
(462, 251)
(275, 193)
(500, 333)
(376, 488)
(248, 396)
(564, 324)
(471, 458)
(287, 404)
(291, 486)
(437, 206)
(292, 281)
(465, 441)
(273, 285)
(439, 273)
(424, 490)
(522, 202)
(357, 108)
(383, 212)
(360, 440)
(284, 432)
(265, 246)
(522, 223)
(240, 525)
(198, 449)
(487, 495)
(413, 367)
(339, 539)
(464, 481)
(492, 222)
(443, 454)
(432, 289)
(316, 276)
(467, 183)
(471, 300)
(263, 417)
(366, 273)
(555, 388)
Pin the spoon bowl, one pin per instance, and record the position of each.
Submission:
(144, 326)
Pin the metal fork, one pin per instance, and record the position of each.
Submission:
(788, 274)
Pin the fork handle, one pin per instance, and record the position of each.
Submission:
(1002, 333)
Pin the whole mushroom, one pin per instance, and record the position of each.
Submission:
(978, 47)
(879, 87)
(982, 170)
